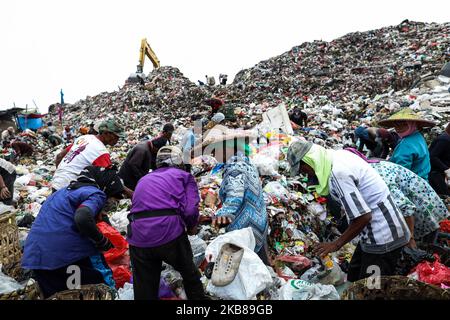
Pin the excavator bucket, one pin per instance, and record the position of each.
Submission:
(136, 78)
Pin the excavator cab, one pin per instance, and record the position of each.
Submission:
(146, 50)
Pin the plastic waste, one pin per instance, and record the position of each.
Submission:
(126, 292)
(198, 249)
(267, 166)
(409, 258)
(311, 274)
(23, 180)
(432, 272)
(277, 191)
(8, 284)
(5, 208)
(303, 290)
(297, 263)
(120, 221)
(117, 257)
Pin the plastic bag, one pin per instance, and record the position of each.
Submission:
(277, 192)
(303, 290)
(445, 226)
(126, 292)
(333, 277)
(121, 274)
(409, 258)
(8, 284)
(120, 221)
(432, 272)
(272, 150)
(286, 273)
(165, 292)
(4, 208)
(33, 208)
(23, 180)
(119, 242)
(117, 257)
(267, 166)
(311, 274)
(296, 263)
(198, 249)
(316, 209)
(252, 277)
(39, 195)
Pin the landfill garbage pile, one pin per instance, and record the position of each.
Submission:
(357, 64)
(166, 95)
(361, 77)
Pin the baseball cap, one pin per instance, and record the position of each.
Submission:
(111, 126)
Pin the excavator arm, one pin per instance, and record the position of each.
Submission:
(146, 50)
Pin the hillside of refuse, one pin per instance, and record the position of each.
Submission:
(353, 69)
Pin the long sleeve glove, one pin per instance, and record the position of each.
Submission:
(85, 223)
(104, 244)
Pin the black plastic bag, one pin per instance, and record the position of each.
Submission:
(409, 258)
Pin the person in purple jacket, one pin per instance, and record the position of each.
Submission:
(164, 211)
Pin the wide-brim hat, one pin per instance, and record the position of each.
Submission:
(221, 134)
(405, 115)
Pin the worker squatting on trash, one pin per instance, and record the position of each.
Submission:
(65, 233)
(143, 156)
(164, 211)
(85, 150)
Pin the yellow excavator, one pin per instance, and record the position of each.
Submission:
(145, 50)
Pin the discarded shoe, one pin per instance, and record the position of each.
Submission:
(227, 265)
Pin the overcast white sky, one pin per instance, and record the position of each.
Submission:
(89, 46)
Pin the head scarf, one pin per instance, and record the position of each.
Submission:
(218, 117)
(107, 180)
(320, 160)
(412, 127)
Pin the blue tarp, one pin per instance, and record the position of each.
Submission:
(29, 123)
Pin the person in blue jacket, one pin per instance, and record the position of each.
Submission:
(412, 150)
(64, 241)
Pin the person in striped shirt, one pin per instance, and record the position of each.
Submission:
(368, 204)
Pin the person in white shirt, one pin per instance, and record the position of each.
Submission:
(68, 134)
(368, 204)
(86, 150)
